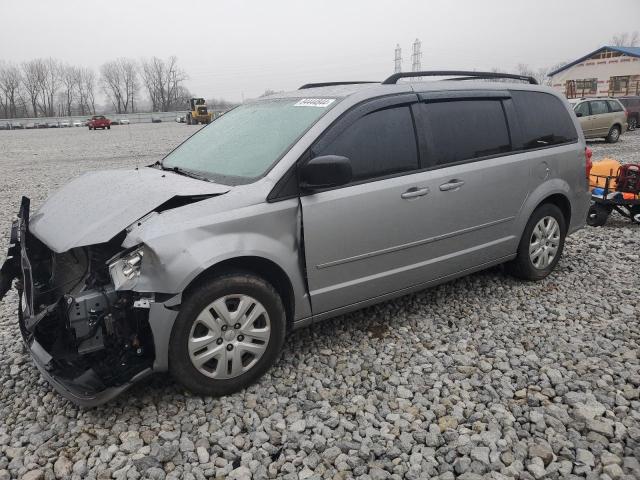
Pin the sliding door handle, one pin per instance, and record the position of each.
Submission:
(451, 185)
(415, 192)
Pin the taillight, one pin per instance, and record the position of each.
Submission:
(587, 155)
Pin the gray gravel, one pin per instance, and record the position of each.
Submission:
(484, 377)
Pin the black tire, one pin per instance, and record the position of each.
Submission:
(89, 128)
(597, 215)
(238, 282)
(632, 124)
(614, 134)
(188, 120)
(109, 127)
(634, 211)
(522, 266)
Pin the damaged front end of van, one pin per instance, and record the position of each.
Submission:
(90, 330)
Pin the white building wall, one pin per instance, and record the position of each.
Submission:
(602, 69)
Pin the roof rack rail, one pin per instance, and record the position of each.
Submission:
(331, 84)
(393, 79)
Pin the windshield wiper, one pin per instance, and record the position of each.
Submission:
(187, 173)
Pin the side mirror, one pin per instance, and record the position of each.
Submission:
(325, 172)
(579, 114)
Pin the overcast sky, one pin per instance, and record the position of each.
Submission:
(231, 48)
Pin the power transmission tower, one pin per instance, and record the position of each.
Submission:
(416, 56)
(398, 60)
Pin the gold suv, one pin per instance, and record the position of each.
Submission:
(601, 117)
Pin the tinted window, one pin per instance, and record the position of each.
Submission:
(599, 107)
(583, 108)
(543, 118)
(378, 144)
(614, 106)
(465, 129)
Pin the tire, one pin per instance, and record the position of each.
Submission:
(89, 128)
(614, 134)
(634, 211)
(109, 127)
(597, 215)
(236, 360)
(633, 123)
(188, 121)
(523, 265)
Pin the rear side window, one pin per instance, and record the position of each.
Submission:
(599, 107)
(614, 106)
(464, 129)
(378, 144)
(544, 119)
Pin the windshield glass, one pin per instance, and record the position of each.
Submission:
(244, 143)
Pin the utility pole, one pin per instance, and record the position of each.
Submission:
(398, 59)
(416, 56)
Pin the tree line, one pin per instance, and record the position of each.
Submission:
(47, 87)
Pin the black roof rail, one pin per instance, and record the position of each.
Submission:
(331, 84)
(393, 79)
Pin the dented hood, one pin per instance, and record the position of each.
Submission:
(96, 206)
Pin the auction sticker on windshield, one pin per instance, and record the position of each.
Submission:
(315, 102)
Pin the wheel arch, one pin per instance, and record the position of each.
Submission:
(260, 266)
(562, 202)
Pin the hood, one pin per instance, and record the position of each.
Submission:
(96, 206)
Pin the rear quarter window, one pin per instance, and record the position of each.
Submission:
(614, 106)
(544, 120)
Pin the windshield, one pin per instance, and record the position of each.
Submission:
(244, 143)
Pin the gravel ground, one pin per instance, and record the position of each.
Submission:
(484, 377)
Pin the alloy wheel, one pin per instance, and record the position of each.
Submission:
(544, 242)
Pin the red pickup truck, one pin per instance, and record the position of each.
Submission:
(99, 121)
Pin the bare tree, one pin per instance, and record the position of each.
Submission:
(86, 91)
(49, 85)
(70, 76)
(626, 39)
(32, 77)
(119, 80)
(164, 81)
(10, 82)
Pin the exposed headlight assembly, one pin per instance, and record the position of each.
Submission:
(125, 270)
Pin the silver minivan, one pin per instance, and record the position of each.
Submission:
(285, 211)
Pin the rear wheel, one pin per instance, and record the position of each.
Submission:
(614, 135)
(634, 211)
(541, 244)
(227, 335)
(597, 215)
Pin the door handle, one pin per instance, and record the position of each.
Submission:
(415, 192)
(451, 185)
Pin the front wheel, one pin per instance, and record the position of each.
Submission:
(633, 124)
(228, 333)
(614, 135)
(541, 244)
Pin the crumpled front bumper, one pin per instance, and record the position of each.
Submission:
(87, 389)
(71, 390)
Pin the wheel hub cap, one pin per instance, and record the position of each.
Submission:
(544, 242)
(229, 336)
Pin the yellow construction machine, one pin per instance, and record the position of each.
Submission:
(199, 112)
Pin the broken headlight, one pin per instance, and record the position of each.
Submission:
(125, 270)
